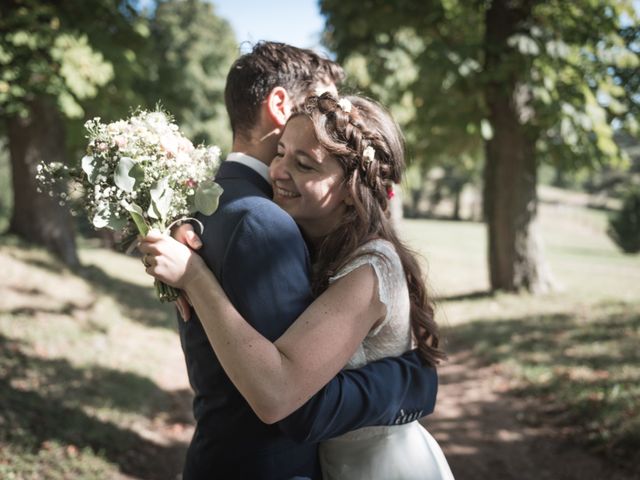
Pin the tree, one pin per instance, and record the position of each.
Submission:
(533, 81)
(192, 50)
(52, 60)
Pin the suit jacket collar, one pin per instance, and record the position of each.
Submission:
(235, 170)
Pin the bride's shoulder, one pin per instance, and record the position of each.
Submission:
(378, 247)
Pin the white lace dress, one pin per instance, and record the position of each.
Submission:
(399, 452)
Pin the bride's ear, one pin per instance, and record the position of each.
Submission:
(278, 106)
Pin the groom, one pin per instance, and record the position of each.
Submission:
(262, 262)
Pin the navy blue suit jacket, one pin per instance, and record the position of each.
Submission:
(259, 256)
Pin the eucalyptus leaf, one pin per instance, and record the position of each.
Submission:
(138, 217)
(161, 197)
(115, 223)
(207, 197)
(89, 167)
(127, 173)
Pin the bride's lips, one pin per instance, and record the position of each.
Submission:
(281, 192)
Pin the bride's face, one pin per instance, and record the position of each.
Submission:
(308, 183)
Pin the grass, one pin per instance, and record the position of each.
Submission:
(573, 352)
(92, 380)
(90, 370)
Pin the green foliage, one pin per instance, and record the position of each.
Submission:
(58, 50)
(191, 50)
(427, 59)
(624, 226)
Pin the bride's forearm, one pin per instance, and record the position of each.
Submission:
(256, 366)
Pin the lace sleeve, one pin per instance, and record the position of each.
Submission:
(382, 256)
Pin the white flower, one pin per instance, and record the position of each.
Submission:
(322, 89)
(368, 154)
(345, 105)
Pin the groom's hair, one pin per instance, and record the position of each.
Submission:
(270, 65)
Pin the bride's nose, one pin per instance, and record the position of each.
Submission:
(278, 169)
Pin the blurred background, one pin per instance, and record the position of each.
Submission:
(522, 196)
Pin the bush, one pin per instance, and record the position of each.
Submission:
(624, 226)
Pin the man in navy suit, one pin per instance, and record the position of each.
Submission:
(259, 256)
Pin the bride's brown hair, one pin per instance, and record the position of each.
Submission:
(369, 146)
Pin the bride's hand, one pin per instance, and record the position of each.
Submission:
(169, 260)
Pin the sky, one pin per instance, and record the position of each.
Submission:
(296, 22)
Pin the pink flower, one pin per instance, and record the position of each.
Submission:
(390, 192)
(191, 183)
(185, 145)
(121, 142)
(169, 144)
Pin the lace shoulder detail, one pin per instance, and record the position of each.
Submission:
(384, 259)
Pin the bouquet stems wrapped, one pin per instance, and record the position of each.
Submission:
(141, 173)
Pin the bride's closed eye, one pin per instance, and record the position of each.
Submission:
(304, 167)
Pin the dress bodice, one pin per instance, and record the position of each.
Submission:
(404, 451)
(392, 336)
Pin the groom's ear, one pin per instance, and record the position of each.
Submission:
(278, 106)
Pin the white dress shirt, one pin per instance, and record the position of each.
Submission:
(251, 162)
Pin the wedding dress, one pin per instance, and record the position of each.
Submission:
(398, 452)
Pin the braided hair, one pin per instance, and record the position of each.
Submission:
(368, 144)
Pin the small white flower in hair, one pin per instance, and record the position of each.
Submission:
(322, 89)
(345, 104)
(368, 154)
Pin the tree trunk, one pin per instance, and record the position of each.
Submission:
(457, 198)
(37, 217)
(510, 201)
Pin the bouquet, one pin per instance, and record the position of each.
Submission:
(141, 173)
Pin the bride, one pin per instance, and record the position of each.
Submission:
(336, 164)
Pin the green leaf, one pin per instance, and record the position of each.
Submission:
(138, 217)
(161, 197)
(127, 173)
(115, 223)
(89, 167)
(207, 197)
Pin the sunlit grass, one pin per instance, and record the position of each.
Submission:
(574, 350)
(90, 361)
(89, 366)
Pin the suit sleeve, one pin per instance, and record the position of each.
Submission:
(390, 391)
(266, 275)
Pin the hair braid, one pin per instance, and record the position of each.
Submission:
(346, 134)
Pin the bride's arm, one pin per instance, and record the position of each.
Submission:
(277, 377)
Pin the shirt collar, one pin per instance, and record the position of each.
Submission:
(251, 162)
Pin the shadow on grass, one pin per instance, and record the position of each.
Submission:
(479, 294)
(139, 303)
(44, 400)
(583, 370)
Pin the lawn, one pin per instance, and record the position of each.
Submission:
(91, 372)
(575, 351)
(92, 380)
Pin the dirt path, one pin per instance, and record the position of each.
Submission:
(485, 435)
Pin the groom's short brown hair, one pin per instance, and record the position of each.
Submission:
(269, 65)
